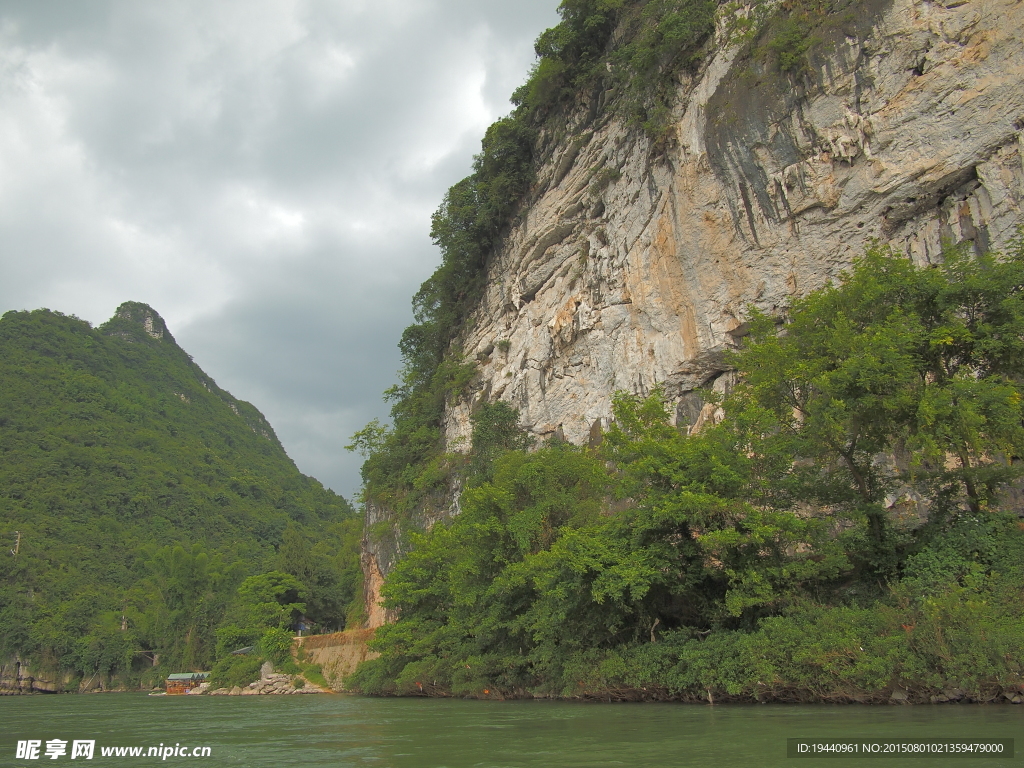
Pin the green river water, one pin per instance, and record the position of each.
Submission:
(424, 733)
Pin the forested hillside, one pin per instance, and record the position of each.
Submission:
(845, 531)
(156, 513)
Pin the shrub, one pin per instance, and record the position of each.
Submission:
(314, 674)
(276, 645)
(236, 670)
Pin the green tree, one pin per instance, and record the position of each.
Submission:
(271, 600)
(926, 360)
(496, 430)
(192, 591)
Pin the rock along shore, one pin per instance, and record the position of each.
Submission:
(270, 683)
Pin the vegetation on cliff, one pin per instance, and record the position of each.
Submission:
(636, 47)
(840, 534)
(156, 512)
(606, 58)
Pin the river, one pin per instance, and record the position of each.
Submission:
(342, 731)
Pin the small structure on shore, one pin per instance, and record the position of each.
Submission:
(181, 683)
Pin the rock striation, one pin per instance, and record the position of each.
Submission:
(629, 269)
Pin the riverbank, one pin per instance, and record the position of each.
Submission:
(896, 696)
(336, 656)
(270, 683)
(333, 656)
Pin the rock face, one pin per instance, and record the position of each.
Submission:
(628, 269)
(20, 676)
(375, 559)
(135, 317)
(626, 272)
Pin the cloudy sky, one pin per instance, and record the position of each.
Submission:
(261, 172)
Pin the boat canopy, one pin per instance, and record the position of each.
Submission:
(189, 676)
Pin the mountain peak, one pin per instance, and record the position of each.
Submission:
(134, 316)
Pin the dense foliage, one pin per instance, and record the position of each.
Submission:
(839, 533)
(636, 48)
(148, 500)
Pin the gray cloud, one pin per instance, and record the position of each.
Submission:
(262, 172)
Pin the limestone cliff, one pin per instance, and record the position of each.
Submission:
(22, 676)
(630, 267)
(910, 133)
